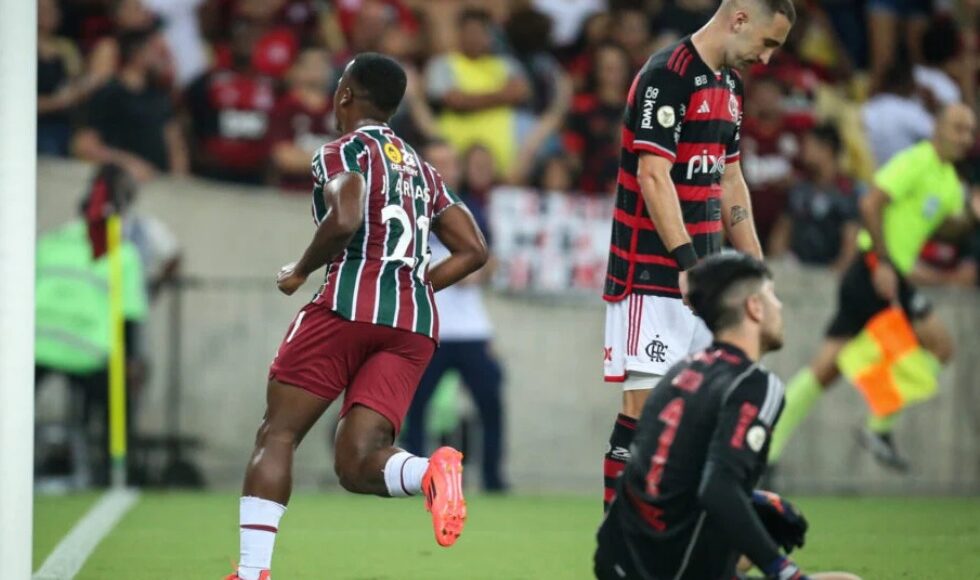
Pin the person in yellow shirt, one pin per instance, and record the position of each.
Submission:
(477, 92)
(915, 195)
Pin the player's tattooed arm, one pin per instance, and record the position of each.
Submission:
(736, 212)
(739, 214)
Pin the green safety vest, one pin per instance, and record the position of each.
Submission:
(73, 330)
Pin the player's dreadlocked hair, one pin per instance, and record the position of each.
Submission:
(383, 79)
(716, 287)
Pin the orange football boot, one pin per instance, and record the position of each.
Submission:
(442, 485)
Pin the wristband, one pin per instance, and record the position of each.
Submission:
(685, 256)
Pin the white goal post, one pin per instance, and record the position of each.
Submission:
(18, 207)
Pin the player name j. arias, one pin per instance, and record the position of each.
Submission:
(419, 192)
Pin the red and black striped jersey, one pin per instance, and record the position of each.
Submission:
(682, 110)
(380, 278)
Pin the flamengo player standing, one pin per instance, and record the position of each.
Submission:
(680, 188)
(369, 331)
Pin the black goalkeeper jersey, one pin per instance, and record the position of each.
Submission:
(716, 410)
(679, 109)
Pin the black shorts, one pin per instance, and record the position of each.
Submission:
(857, 301)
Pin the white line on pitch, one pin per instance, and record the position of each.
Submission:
(70, 554)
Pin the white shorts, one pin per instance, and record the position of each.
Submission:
(648, 335)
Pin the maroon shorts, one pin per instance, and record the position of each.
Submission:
(378, 366)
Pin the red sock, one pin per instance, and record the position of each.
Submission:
(617, 455)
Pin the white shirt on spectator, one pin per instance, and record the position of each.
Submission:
(894, 123)
(937, 82)
(568, 17)
(462, 316)
(183, 34)
(154, 241)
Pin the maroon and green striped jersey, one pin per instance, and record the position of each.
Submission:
(380, 278)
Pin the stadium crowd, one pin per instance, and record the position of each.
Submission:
(528, 92)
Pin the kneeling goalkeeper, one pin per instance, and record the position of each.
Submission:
(685, 507)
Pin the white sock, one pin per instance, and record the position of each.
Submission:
(258, 524)
(403, 474)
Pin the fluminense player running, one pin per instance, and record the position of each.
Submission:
(369, 331)
(680, 191)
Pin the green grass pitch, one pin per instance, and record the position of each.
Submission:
(338, 536)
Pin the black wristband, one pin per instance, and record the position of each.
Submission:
(685, 256)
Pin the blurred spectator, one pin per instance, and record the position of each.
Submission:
(580, 60)
(272, 43)
(893, 24)
(86, 22)
(678, 18)
(131, 17)
(130, 121)
(366, 26)
(941, 63)
(414, 120)
(72, 302)
(894, 119)
(465, 335)
(529, 33)
(229, 108)
(770, 148)
(557, 173)
(303, 18)
(158, 249)
(182, 32)
(302, 120)
(631, 29)
(477, 93)
(299, 19)
(361, 21)
(848, 21)
(479, 176)
(569, 17)
(60, 83)
(821, 222)
(593, 126)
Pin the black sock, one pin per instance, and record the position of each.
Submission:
(617, 455)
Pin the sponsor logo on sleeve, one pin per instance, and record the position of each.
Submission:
(649, 102)
(756, 438)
